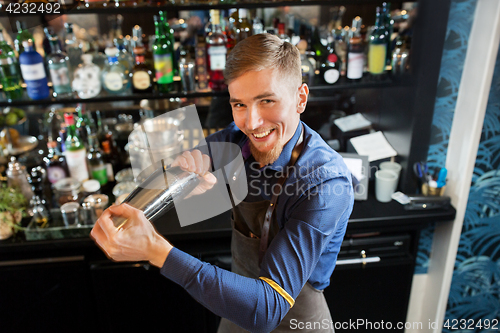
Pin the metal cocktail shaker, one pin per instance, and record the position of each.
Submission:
(155, 195)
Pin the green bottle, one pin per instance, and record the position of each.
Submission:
(84, 125)
(377, 49)
(22, 35)
(163, 59)
(76, 154)
(96, 162)
(169, 34)
(10, 77)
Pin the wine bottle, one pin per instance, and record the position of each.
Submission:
(55, 164)
(216, 50)
(142, 76)
(33, 72)
(329, 71)
(97, 165)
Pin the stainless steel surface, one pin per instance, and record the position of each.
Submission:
(156, 194)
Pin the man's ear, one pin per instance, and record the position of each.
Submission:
(303, 93)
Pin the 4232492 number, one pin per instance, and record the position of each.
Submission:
(471, 324)
(34, 8)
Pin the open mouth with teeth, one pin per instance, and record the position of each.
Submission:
(262, 135)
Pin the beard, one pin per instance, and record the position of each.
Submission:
(265, 158)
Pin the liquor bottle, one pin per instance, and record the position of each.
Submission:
(257, 26)
(114, 77)
(124, 57)
(84, 123)
(10, 77)
(388, 22)
(87, 78)
(306, 66)
(57, 62)
(329, 70)
(243, 27)
(73, 48)
(355, 53)
(33, 72)
(377, 46)
(142, 76)
(55, 164)
(96, 162)
(76, 154)
(320, 50)
(22, 35)
(111, 158)
(282, 34)
(229, 30)
(216, 50)
(163, 53)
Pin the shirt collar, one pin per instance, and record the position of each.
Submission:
(285, 155)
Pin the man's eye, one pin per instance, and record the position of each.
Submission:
(267, 101)
(237, 105)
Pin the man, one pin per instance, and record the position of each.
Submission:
(279, 280)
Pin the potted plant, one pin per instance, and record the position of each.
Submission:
(12, 209)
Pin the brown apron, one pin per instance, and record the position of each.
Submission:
(248, 219)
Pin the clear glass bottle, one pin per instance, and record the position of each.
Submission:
(114, 77)
(87, 78)
(10, 76)
(57, 62)
(18, 177)
(163, 52)
(76, 154)
(216, 51)
(33, 72)
(73, 48)
(124, 57)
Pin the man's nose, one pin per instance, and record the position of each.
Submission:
(254, 120)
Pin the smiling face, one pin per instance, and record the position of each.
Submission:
(267, 108)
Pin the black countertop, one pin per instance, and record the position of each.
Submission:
(214, 234)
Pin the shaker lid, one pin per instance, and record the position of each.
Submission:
(67, 184)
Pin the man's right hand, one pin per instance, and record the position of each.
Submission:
(195, 161)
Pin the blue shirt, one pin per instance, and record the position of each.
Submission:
(312, 213)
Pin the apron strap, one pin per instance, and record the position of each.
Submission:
(264, 233)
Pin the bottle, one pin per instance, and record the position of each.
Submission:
(305, 65)
(87, 78)
(257, 26)
(320, 50)
(169, 34)
(377, 46)
(282, 34)
(96, 162)
(114, 77)
(163, 52)
(33, 72)
(84, 123)
(55, 164)
(76, 154)
(216, 51)
(355, 53)
(57, 62)
(388, 22)
(40, 212)
(73, 48)
(22, 35)
(10, 76)
(18, 177)
(111, 158)
(142, 76)
(329, 71)
(243, 27)
(124, 57)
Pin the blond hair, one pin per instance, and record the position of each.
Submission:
(263, 51)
